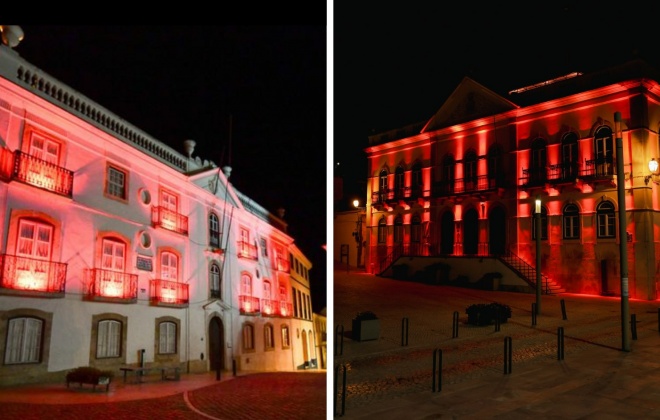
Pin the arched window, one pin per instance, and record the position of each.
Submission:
(399, 182)
(382, 231)
(470, 170)
(571, 221)
(415, 229)
(269, 338)
(286, 337)
(539, 162)
(383, 186)
(24, 336)
(169, 266)
(606, 221)
(448, 174)
(604, 164)
(248, 337)
(214, 230)
(167, 338)
(398, 230)
(214, 281)
(108, 340)
(495, 166)
(417, 183)
(569, 156)
(544, 223)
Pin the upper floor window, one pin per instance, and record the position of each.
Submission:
(267, 290)
(113, 258)
(448, 169)
(383, 181)
(246, 285)
(494, 164)
(399, 181)
(382, 231)
(24, 337)
(539, 161)
(398, 230)
(169, 266)
(214, 281)
(286, 340)
(569, 155)
(544, 224)
(108, 341)
(115, 183)
(264, 247)
(417, 182)
(470, 170)
(214, 230)
(167, 338)
(605, 220)
(571, 222)
(34, 239)
(169, 201)
(44, 148)
(604, 154)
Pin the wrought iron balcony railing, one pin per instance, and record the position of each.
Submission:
(170, 220)
(107, 285)
(247, 250)
(283, 265)
(29, 276)
(42, 174)
(285, 309)
(168, 293)
(603, 167)
(563, 172)
(248, 304)
(269, 307)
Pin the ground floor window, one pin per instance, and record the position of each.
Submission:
(23, 340)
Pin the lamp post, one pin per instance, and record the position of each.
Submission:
(358, 233)
(539, 283)
(623, 243)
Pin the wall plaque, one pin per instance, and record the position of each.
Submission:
(144, 263)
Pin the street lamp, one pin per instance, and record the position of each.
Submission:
(539, 283)
(358, 232)
(623, 243)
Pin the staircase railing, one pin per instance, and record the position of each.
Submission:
(390, 258)
(523, 269)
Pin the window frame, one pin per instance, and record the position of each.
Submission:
(286, 337)
(215, 280)
(110, 187)
(28, 342)
(105, 332)
(167, 338)
(606, 220)
(269, 337)
(248, 337)
(571, 221)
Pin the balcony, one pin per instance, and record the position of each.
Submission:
(599, 170)
(170, 220)
(31, 277)
(534, 177)
(110, 286)
(41, 174)
(282, 265)
(249, 305)
(168, 293)
(247, 250)
(563, 173)
(279, 308)
(285, 309)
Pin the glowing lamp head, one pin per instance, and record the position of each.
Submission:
(653, 166)
(538, 205)
(356, 203)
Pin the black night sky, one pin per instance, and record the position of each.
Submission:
(396, 65)
(252, 97)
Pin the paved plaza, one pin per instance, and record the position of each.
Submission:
(566, 363)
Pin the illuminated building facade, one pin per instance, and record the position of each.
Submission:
(117, 249)
(464, 183)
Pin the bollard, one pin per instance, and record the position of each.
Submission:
(404, 331)
(507, 355)
(497, 322)
(339, 332)
(437, 368)
(533, 314)
(633, 326)
(454, 333)
(560, 343)
(563, 309)
(340, 369)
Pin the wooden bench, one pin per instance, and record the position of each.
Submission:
(171, 373)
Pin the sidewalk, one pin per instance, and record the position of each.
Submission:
(392, 378)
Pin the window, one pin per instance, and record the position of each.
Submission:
(494, 166)
(603, 147)
(417, 183)
(214, 281)
(399, 182)
(168, 201)
(538, 166)
(415, 229)
(34, 239)
(167, 338)
(383, 181)
(605, 220)
(115, 183)
(23, 340)
(248, 337)
(269, 339)
(571, 222)
(286, 338)
(398, 230)
(569, 156)
(382, 231)
(264, 247)
(470, 170)
(108, 340)
(246, 285)
(267, 291)
(112, 262)
(113, 255)
(44, 149)
(544, 224)
(448, 174)
(214, 231)
(169, 266)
